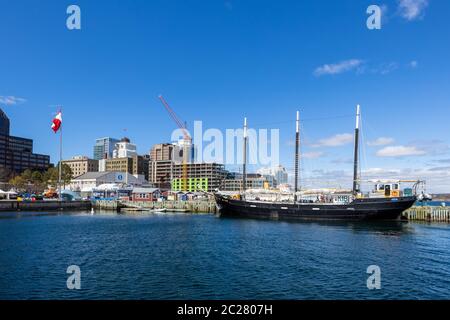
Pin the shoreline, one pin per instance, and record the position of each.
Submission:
(10, 206)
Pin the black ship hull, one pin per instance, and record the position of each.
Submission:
(359, 209)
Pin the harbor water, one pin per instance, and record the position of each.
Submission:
(182, 256)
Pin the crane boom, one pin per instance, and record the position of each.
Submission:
(187, 138)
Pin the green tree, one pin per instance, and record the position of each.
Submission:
(27, 175)
(52, 176)
(18, 182)
(66, 175)
(36, 177)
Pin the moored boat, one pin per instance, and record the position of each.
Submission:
(387, 202)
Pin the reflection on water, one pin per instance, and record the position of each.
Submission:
(182, 256)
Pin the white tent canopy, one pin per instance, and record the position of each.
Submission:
(7, 194)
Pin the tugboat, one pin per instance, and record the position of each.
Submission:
(389, 206)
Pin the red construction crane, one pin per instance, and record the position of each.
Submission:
(187, 142)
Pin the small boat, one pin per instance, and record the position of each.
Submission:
(180, 210)
(388, 202)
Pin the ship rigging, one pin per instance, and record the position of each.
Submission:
(387, 203)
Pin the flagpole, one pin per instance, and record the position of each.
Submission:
(60, 160)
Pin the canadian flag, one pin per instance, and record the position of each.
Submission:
(57, 122)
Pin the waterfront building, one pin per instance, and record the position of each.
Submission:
(165, 173)
(145, 194)
(124, 149)
(214, 173)
(104, 147)
(91, 180)
(81, 165)
(193, 184)
(16, 153)
(160, 173)
(253, 181)
(278, 173)
(136, 165)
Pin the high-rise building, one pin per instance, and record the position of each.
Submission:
(136, 165)
(162, 152)
(253, 181)
(4, 124)
(180, 147)
(167, 174)
(104, 147)
(160, 173)
(81, 165)
(124, 149)
(16, 154)
(278, 173)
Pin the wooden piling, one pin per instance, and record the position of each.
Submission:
(429, 214)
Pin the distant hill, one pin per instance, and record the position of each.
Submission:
(441, 197)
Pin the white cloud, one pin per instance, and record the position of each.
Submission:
(438, 179)
(413, 64)
(335, 141)
(377, 172)
(412, 9)
(228, 5)
(337, 68)
(443, 161)
(11, 100)
(440, 169)
(312, 155)
(386, 68)
(400, 151)
(382, 141)
(432, 147)
(342, 161)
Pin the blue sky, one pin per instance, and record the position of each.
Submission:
(218, 61)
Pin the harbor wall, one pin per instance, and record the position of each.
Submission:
(195, 206)
(113, 205)
(44, 205)
(429, 214)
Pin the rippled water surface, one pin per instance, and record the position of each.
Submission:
(205, 257)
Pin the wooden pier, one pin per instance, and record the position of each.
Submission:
(429, 214)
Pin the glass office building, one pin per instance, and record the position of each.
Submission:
(16, 154)
(104, 147)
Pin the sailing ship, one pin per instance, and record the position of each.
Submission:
(389, 205)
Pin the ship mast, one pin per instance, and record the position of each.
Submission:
(244, 166)
(356, 186)
(297, 148)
